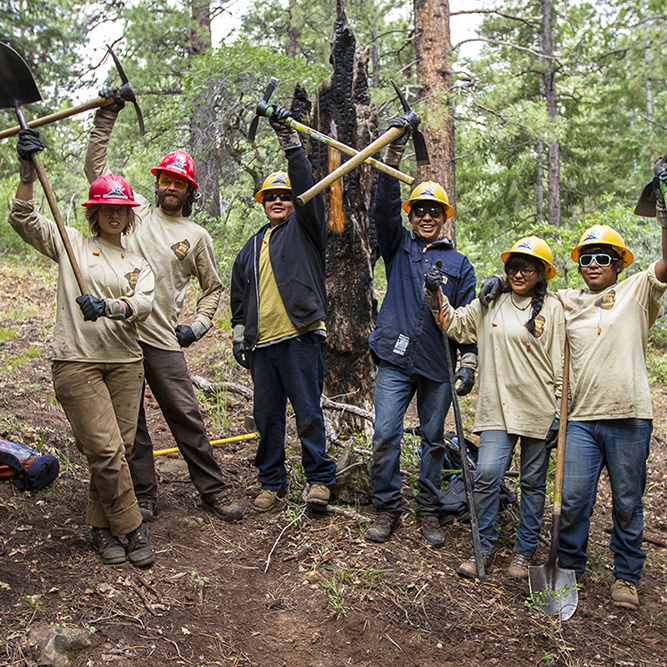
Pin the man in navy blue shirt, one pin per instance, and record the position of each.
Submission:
(409, 347)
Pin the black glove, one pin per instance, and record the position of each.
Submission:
(240, 354)
(433, 277)
(92, 307)
(467, 377)
(552, 436)
(185, 334)
(113, 92)
(28, 144)
(490, 289)
(288, 137)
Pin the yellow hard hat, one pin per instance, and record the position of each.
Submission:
(535, 247)
(429, 191)
(603, 235)
(278, 180)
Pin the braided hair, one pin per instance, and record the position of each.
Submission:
(516, 262)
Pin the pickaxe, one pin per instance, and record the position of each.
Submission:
(125, 92)
(264, 109)
(421, 153)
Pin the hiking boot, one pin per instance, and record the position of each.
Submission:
(431, 530)
(226, 512)
(148, 510)
(624, 594)
(139, 549)
(110, 548)
(382, 529)
(318, 496)
(267, 499)
(518, 568)
(469, 568)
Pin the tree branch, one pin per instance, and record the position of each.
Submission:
(532, 21)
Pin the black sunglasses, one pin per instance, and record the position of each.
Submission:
(283, 196)
(599, 259)
(433, 211)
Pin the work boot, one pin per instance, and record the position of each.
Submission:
(227, 512)
(518, 568)
(110, 548)
(624, 594)
(469, 568)
(431, 530)
(318, 496)
(148, 510)
(382, 529)
(139, 549)
(267, 499)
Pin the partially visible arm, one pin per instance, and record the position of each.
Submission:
(140, 303)
(460, 324)
(661, 266)
(387, 215)
(211, 287)
(312, 215)
(97, 163)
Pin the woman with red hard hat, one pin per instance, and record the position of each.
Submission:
(96, 360)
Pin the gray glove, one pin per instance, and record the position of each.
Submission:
(185, 334)
(92, 307)
(113, 92)
(28, 143)
(287, 137)
(433, 277)
(241, 354)
(490, 289)
(467, 377)
(396, 148)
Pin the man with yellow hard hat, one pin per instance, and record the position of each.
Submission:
(279, 302)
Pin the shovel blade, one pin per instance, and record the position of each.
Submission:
(16, 83)
(553, 590)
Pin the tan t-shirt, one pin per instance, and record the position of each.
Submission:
(520, 375)
(607, 332)
(109, 272)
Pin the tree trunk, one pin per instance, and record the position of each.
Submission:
(553, 151)
(344, 110)
(292, 35)
(434, 75)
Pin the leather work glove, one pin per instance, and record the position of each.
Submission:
(240, 354)
(552, 435)
(490, 289)
(467, 377)
(28, 143)
(434, 277)
(109, 92)
(287, 137)
(185, 334)
(92, 307)
(660, 185)
(396, 148)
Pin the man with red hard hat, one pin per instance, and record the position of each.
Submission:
(177, 249)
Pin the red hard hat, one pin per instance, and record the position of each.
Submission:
(110, 189)
(179, 164)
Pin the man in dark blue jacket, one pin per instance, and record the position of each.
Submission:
(279, 302)
(410, 349)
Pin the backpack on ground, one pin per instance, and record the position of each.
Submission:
(26, 467)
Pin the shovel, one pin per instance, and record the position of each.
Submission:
(17, 87)
(553, 589)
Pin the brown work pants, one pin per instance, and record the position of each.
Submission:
(101, 402)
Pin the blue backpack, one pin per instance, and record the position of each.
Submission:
(26, 467)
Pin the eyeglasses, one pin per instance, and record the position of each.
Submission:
(121, 211)
(172, 182)
(421, 211)
(600, 260)
(523, 272)
(283, 196)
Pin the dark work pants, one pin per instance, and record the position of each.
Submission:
(169, 379)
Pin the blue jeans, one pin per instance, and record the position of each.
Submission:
(622, 446)
(394, 389)
(292, 369)
(495, 454)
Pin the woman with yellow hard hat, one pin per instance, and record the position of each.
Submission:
(520, 340)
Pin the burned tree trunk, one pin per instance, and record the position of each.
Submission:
(344, 110)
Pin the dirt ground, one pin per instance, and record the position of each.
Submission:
(284, 588)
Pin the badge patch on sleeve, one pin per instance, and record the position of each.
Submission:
(132, 278)
(181, 249)
(401, 345)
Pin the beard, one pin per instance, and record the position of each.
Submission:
(171, 202)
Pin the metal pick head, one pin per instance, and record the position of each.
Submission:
(17, 86)
(421, 152)
(127, 91)
(401, 97)
(262, 108)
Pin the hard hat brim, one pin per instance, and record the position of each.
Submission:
(550, 269)
(177, 174)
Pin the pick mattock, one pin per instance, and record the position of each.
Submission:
(17, 87)
(125, 92)
(264, 109)
(421, 153)
(554, 589)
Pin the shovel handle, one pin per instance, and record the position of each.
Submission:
(562, 432)
(382, 141)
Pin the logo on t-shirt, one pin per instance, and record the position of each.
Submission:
(540, 321)
(607, 300)
(132, 278)
(181, 249)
